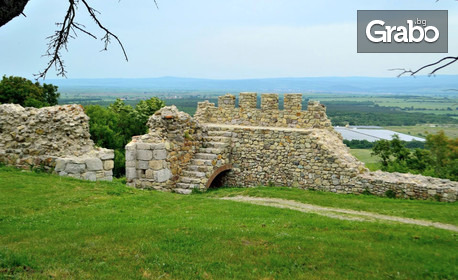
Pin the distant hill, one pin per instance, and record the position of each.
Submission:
(443, 85)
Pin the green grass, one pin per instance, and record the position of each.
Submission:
(364, 155)
(53, 227)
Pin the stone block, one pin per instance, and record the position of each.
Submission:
(158, 146)
(106, 154)
(149, 174)
(108, 173)
(60, 164)
(75, 168)
(131, 155)
(93, 164)
(159, 154)
(144, 154)
(144, 146)
(162, 175)
(131, 146)
(108, 164)
(142, 164)
(91, 176)
(156, 164)
(131, 163)
(131, 173)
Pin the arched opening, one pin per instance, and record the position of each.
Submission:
(216, 180)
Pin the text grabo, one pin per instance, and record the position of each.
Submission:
(401, 33)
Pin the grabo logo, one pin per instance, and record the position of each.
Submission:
(402, 31)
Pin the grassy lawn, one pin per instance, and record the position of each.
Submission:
(364, 155)
(53, 227)
(421, 130)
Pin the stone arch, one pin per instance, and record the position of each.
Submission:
(218, 171)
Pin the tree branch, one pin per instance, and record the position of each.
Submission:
(10, 9)
(68, 29)
(436, 66)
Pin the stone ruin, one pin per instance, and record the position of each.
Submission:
(246, 146)
(54, 138)
(224, 145)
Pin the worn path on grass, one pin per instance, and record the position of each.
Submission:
(337, 213)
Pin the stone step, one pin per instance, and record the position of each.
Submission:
(183, 191)
(215, 145)
(219, 133)
(215, 151)
(193, 174)
(204, 156)
(201, 162)
(222, 139)
(187, 186)
(200, 168)
(190, 180)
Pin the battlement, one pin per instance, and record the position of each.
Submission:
(269, 113)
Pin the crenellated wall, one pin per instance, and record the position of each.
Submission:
(246, 146)
(268, 115)
(54, 138)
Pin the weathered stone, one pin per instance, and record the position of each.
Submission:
(131, 173)
(108, 164)
(159, 154)
(144, 155)
(162, 175)
(106, 154)
(60, 164)
(144, 146)
(93, 164)
(91, 176)
(75, 168)
(131, 155)
(56, 138)
(156, 164)
(142, 164)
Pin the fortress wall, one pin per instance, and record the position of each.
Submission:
(269, 115)
(55, 138)
(317, 159)
(157, 159)
(257, 154)
(291, 157)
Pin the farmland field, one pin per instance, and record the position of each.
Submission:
(421, 130)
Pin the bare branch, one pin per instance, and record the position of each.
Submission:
(436, 66)
(68, 29)
(108, 33)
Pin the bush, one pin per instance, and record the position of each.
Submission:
(24, 92)
(439, 159)
(114, 126)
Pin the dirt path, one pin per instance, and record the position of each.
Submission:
(337, 213)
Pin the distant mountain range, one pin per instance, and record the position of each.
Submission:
(443, 85)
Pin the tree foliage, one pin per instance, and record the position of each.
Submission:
(24, 92)
(113, 126)
(439, 159)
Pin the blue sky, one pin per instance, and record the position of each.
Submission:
(229, 39)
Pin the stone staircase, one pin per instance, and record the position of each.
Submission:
(213, 153)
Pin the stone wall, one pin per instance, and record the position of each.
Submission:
(264, 146)
(157, 159)
(303, 158)
(54, 138)
(269, 115)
